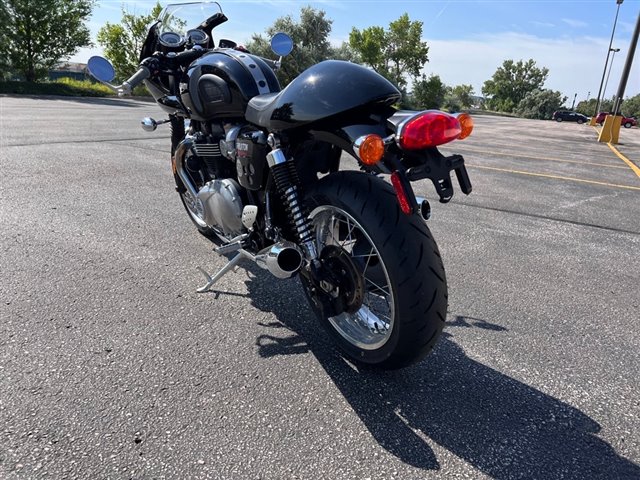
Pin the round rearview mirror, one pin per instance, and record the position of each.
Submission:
(281, 44)
(101, 69)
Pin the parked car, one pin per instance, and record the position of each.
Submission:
(626, 122)
(568, 116)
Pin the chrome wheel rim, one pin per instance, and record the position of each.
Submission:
(195, 209)
(370, 327)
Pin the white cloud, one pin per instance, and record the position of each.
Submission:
(543, 24)
(626, 27)
(575, 64)
(575, 23)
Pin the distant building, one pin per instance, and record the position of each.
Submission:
(77, 71)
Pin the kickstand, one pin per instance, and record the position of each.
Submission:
(211, 280)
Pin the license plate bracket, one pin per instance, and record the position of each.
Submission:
(438, 169)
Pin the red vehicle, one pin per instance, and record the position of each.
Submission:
(627, 122)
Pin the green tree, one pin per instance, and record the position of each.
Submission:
(463, 94)
(587, 107)
(310, 36)
(540, 104)
(631, 106)
(396, 53)
(123, 41)
(4, 41)
(41, 33)
(511, 82)
(451, 103)
(369, 44)
(429, 93)
(346, 53)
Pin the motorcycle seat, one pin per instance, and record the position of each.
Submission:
(260, 109)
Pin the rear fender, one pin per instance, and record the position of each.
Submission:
(344, 137)
(411, 166)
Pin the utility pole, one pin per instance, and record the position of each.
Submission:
(574, 101)
(627, 68)
(611, 129)
(606, 82)
(606, 62)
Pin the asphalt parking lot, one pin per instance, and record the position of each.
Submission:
(111, 366)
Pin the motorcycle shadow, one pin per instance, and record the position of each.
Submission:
(501, 426)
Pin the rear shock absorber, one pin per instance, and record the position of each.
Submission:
(288, 186)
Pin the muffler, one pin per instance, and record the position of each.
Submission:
(282, 259)
(424, 207)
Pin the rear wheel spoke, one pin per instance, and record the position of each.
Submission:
(370, 327)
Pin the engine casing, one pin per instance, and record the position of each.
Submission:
(220, 84)
(223, 206)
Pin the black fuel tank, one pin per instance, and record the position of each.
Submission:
(220, 84)
(323, 90)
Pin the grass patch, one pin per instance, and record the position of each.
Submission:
(476, 111)
(63, 86)
(66, 87)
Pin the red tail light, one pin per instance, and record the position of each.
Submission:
(429, 129)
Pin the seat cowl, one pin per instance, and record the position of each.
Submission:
(324, 90)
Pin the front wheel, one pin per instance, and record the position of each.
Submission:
(196, 214)
(382, 269)
(628, 125)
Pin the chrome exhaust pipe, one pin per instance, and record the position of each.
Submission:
(424, 207)
(178, 166)
(282, 259)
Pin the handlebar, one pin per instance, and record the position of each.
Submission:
(181, 59)
(136, 79)
(186, 57)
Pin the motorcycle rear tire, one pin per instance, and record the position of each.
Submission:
(411, 261)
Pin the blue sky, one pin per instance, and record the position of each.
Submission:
(468, 39)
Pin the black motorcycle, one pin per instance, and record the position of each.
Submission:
(257, 168)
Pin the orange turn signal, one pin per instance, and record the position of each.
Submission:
(369, 148)
(466, 124)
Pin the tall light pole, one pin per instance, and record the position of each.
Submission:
(604, 90)
(627, 67)
(611, 129)
(604, 72)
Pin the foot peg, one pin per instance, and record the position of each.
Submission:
(232, 245)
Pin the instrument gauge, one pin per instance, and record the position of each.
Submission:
(171, 40)
(198, 37)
